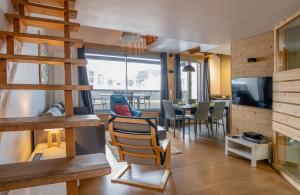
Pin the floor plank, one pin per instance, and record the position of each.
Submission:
(202, 169)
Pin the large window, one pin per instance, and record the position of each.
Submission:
(138, 79)
(190, 82)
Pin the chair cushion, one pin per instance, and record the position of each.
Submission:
(122, 110)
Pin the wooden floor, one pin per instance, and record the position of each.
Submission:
(202, 169)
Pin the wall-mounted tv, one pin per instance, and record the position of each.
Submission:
(254, 91)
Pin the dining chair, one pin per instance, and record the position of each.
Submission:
(192, 101)
(146, 100)
(217, 115)
(171, 115)
(201, 115)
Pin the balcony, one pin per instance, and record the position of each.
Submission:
(148, 100)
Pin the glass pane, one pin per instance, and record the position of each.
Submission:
(184, 83)
(289, 155)
(104, 74)
(144, 84)
(289, 46)
(107, 77)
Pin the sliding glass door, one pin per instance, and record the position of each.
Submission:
(138, 79)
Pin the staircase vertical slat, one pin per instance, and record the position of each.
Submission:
(10, 45)
(3, 72)
(72, 187)
(16, 25)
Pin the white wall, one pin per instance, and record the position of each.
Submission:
(16, 146)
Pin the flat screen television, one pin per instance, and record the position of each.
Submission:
(254, 91)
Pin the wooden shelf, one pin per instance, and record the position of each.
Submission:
(30, 174)
(40, 39)
(42, 60)
(48, 122)
(57, 3)
(46, 87)
(42, 22)
(37, 8)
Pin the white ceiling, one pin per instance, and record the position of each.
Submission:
(216, 22)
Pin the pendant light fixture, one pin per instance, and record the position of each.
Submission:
(188, 67)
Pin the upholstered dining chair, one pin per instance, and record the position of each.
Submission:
(217, 115)
(171, 115)
(137, 143)
(201, 115)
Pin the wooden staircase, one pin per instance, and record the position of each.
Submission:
(72, 168)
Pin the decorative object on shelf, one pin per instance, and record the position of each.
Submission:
(54, 138)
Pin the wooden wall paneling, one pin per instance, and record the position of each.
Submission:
(291, 86)
(289, 75)
(286, 130)
(244, 118)
(290, 109)
(289, 120)
(260, 47)
(285, 97)
(286, 101)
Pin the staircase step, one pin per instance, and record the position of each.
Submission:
(36, 173)
(48, 122)
(42, 60)
(42, 22)
(37, 8)
(57, 3)
(41, 39)
(46, 87)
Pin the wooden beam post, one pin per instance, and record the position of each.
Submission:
(72, 188)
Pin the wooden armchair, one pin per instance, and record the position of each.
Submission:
(137, 143)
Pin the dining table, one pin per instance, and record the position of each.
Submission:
(192, 108)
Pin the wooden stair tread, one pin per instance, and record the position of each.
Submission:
(30, 174)
(42, 60)
(46, 87)
(37, 8)
(40, 39)
(48, 122)
(42, 22)
(57, 3)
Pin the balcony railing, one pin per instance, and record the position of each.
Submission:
(138, 99)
